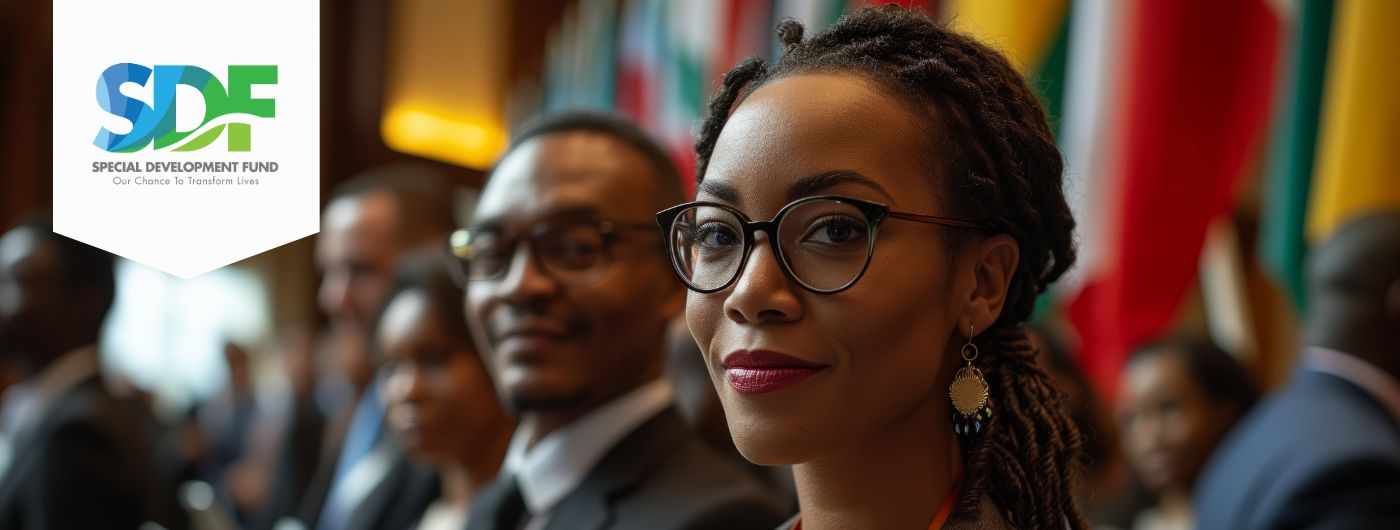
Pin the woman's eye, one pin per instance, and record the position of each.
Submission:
(835, 230)
(716, 235)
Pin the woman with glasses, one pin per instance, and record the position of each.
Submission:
(876, 213)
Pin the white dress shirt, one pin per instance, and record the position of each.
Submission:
(558, 463)
(442, 515)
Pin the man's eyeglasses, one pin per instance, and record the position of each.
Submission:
(566, 250)
(822, 243)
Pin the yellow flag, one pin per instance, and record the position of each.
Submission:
(1358, 160)
(1023, 30)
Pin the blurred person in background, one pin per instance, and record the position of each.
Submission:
(442, 405)
(570, 296)
(369, 223)
(1180, 397)
(1324, 451)
(75, 455)
(215, 436)
(245, 483)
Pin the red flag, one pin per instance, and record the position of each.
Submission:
(1194, 100)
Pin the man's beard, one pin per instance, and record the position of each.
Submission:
(533, 403)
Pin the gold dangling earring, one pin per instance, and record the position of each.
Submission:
(972, 410)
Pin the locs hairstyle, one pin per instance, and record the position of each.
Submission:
(999, 166)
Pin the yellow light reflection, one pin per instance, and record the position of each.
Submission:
(475, 143)
(445, 75)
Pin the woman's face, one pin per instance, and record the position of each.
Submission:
(440, 399)
(1169, 426)
(871, 356)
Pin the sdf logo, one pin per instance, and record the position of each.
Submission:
(155, 122)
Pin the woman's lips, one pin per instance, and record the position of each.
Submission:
(762, 371)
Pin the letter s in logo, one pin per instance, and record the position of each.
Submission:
(142, 117)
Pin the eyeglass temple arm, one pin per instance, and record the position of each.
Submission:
(933, 219)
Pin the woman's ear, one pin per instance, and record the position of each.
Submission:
(994, 260)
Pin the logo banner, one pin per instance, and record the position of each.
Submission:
(186, 135)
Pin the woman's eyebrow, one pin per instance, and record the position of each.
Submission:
(719, 190)
(815, 184)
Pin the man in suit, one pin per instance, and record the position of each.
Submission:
(76, 456)
(1324, 452)
(570, 296)
(361, 475)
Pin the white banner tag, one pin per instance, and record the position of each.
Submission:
(186, 134)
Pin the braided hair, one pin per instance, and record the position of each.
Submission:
(1005, 171)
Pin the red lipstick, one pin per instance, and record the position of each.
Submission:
(763, 371)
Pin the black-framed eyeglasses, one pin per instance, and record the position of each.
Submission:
(822, 243)
(567, 250)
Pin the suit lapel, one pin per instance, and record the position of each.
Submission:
(621, 469)
(369, 513)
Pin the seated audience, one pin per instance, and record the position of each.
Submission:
(331, 463)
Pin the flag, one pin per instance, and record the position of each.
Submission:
(691, 29)
(1024, 31)
(1093, 74)
(1191, 107)
(747, 25)
(639, 63)
(581, 58)
(1285, 206)
(1360, 129)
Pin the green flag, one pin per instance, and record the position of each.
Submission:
(1292, 149)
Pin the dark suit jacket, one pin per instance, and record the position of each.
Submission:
(396, 502)
(1319, 454)
(659, 477)
(88, 464)
(299, 455)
